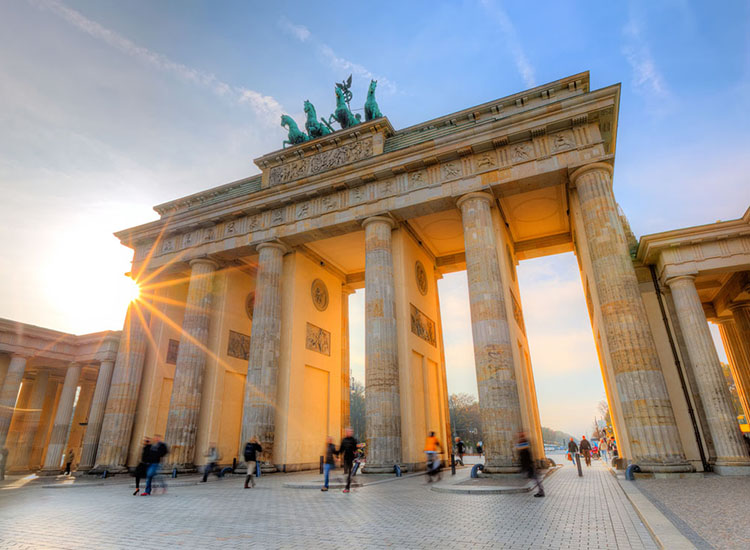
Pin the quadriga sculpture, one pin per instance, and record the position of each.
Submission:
(314, 128)
(342, 114)
(371, 106)
(296, 136)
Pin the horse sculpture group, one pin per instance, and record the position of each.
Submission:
(343, 115)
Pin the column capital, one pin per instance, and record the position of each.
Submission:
(481, 195)
(207, 261)
(675, 278)
(578, 172)
(742, 304)
(272, 244)
(381, 219)
(346, 290)
(20, 355)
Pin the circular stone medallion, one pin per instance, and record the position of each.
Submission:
(250, 305)
(319, 294)
(421, 275)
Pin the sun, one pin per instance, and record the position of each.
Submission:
(132, 290)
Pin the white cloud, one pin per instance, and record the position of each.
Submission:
(647, 79)
(303, 34)
(264, 106)
(512, 41)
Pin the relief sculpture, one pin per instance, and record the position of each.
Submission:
(239, 345)
(422, 326)
(318, 339)
(320, 162)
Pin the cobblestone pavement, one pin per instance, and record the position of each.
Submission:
(710, 510)
(580, 513)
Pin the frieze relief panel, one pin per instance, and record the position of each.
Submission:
(318, 339)
(518, 313)
(238, 345)
(321, 162)
(423, 326)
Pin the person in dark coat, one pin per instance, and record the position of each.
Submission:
(523, 448)
(69, 461)
(586, 450)
(252, 448)
(329, 462)
(347, 451)
(572, 450)
(3, 461)
(156, 451)
(460, 450)
(140, 470)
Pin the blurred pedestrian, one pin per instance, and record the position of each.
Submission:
(523, 448)
(142, 468)
(328, 463)
(3, 461)
(480, 448)
(69, 461)
(156, 452)
(431, 448)
(572, 450)
(460, 450)
(603, 448)
(347, 450)
(585, 447)
(212, 464)
(252, 448)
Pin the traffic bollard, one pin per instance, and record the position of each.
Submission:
(578, 463)
(453, 464)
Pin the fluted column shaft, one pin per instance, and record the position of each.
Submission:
(9, 394)
(499, 404)
(642, 391)
(259, 411)
(96, 415)
(725, 432)
(63, 417)
(382, 392)
(119, 414)
(31, 420)
(345, 372)
(184, 406)
(737, 346)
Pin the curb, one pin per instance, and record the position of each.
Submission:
(663, 531)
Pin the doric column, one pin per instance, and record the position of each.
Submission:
(63, 417)
(31, 420)
(184, 406)
(119, 414)
(345, 372)
(499, 404)
(642, 391)
(382, 392)
(731, 453)
(739, 362)
(9, 393)
(259, 411)
(96, 415)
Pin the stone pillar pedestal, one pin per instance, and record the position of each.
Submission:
(641, 389)
(63, 417)
(382, 392)
(259, 410)
(31, 421)
(9, 393)
(119, 414)
(731, 452)
(184, 406)
(499, 404)
(96, 416)
(345, 372)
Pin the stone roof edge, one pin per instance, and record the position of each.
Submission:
(173, 204)
(131, 236)
(650, 245)
(8, 325)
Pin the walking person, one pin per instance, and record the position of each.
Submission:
(460, 450)
(156, 452)
(431, 448)
(328, 463)
(3, 461)
(572, 450)
(347, 451)
(69, 461)
(213, 458)
(586, 450)
(142, 468)
(523, 448)
(252, 448)
(480, 448)
(603, 448)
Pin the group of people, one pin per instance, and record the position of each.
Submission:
(588, 450)
(347, 450)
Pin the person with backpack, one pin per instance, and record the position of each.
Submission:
(586, 450)
(252, 448)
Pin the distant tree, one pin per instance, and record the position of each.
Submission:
(604, 411)
(555, 437)
(465, 419)
(357, 409)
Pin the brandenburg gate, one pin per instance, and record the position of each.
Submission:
(242, 326)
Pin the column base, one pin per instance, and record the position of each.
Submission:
(732, 468)
(50, 473)
(659, 468)
(382, 468)
(187, 468)
(111, 470)
(500, 470)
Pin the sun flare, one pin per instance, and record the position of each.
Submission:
(133, 290)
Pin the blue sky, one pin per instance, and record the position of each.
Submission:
(108, 108)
